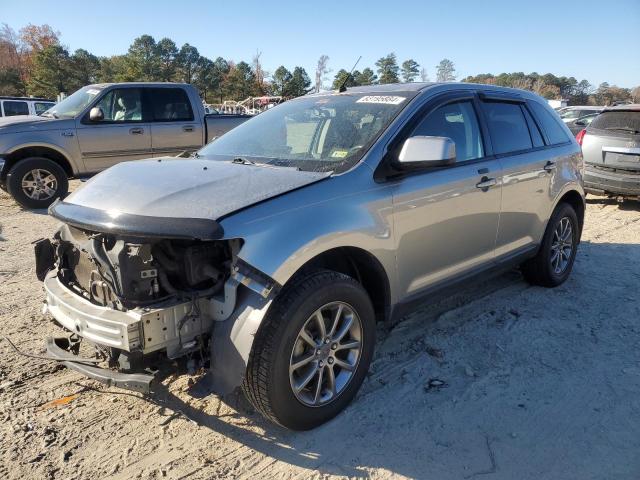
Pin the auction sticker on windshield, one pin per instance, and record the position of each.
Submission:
(388, 99)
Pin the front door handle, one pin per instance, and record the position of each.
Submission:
(136, 131)
(187, 128)
(486, 183)
(550, 166)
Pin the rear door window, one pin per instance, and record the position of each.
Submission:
(550, 124)
(12, 108)
(507, 127)
(170, 105)
(617, 121)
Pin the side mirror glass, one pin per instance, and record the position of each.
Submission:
(427, 152)
(96, 114)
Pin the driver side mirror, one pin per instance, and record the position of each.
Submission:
(96, 114)
(419, 151)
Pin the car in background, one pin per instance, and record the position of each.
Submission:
(611, 149)
(581, 123)
(12, 106)
(573, 113)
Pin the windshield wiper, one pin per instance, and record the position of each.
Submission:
(623, 129)
(243, 161)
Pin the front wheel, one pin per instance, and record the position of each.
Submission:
(37, 182)
(312, 353)
(554, 261)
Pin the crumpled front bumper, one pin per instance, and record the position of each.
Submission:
(140, 329)
(139, 382)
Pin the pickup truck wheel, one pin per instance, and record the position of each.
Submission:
(37, 182)
(312, 353)
(554, 261)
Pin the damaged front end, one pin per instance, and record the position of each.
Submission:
(139, 287)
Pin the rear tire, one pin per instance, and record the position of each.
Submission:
(37, 182)
(553, 263)
(292, 335)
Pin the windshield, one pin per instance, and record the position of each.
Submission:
(317, 133)
(73, 104)
(571, 114)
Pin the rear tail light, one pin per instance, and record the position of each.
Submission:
(580, 136)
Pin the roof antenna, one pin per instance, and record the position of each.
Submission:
(343, 85)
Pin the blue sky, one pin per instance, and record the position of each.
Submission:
(587, 39)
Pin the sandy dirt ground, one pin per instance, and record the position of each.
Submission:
(501, 380)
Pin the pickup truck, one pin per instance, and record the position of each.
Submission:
(97, 127)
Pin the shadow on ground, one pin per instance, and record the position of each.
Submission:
(364, 436)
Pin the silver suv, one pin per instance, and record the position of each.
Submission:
(274, 252)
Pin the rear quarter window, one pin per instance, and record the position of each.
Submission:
(620, 121)
(550, 123)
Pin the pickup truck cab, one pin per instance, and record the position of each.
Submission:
(97, 127)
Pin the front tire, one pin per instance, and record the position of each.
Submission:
(313, 351)
(553, 263)
(36, 182)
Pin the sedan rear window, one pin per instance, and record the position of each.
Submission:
(622, 121)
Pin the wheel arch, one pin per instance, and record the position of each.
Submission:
(574, 198)
(46, 151)
(359, 264)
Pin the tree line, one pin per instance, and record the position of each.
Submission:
(34, 62)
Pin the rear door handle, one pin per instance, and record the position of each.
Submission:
(550, 166)
(187, 128)
(136, 131)
(486, 183)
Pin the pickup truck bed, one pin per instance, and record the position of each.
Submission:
(218, 124)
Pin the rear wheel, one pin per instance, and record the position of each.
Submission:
(554, 261)
(313, 351)
(37, 182)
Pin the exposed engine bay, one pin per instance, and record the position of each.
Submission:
(126, 273)
(133, 296)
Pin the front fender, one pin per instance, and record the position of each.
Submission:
(67, 147)
(283, 234)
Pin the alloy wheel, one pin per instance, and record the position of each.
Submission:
(39, 184)
(325, 354)
(561, 246)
